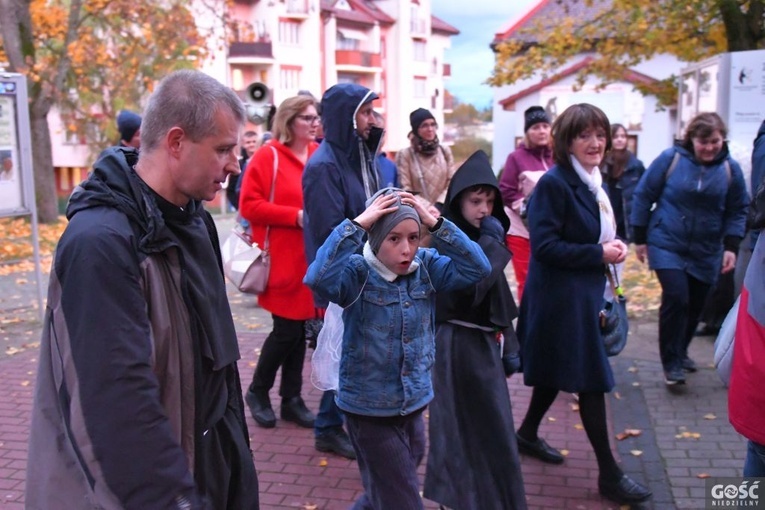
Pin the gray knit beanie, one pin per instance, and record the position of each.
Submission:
(385, 224)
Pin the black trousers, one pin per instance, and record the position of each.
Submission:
(284, 347)
(682, 299)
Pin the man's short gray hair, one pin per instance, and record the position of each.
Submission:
(187, 99)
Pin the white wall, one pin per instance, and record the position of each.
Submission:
(619, 101)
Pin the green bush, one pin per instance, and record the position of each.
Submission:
(464, 147)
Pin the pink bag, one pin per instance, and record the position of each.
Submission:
(245, 263)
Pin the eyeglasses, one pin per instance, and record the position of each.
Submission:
(309, 118)
(429, 125)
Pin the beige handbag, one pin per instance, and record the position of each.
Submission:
(246, 264)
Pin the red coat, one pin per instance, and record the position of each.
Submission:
(746, 400)
(285, 295)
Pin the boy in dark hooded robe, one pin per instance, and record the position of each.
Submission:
(475, 347)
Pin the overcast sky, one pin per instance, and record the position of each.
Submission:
(470, 56)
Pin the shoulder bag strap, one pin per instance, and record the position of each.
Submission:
(271, 197)
(613, 280)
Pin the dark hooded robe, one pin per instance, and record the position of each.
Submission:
(473, 456)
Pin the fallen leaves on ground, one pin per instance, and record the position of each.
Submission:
(703, 475)
(16, 234)
(323, 462)
(688, 435)
(628, 433)
(710, 416)
(636, 453)
(640, 286)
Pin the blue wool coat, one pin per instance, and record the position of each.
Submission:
(697, 206)
(558, 323)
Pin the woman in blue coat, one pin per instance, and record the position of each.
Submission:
(692, 234)
(573, 236)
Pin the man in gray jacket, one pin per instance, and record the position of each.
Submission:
(138, 403)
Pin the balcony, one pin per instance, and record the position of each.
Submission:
(357, 59)
(250, 50)
(296, 9)
(447, 70)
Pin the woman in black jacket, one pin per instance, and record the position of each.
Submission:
(621, 171)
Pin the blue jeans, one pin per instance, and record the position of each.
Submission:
(329, 415)
(388, 451)
(754, 465)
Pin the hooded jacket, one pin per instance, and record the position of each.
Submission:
(490, 302)
(698, 208)
(758, 174)
(138, 393)
(342, 174)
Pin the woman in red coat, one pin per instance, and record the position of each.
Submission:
(289, 301)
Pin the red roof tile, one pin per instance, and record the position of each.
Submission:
(546, 14)
(439, 25)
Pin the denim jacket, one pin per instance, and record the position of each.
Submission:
(388, 342)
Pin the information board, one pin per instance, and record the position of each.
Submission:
(16, 177)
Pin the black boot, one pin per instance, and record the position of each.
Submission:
(294, 410)
(260, 408)
(336, 441)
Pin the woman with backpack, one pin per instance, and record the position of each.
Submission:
(692, 233)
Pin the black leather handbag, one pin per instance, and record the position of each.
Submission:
(614, 324)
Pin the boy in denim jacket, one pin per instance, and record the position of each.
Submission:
(388, 296)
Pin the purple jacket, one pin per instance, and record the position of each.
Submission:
(521, 160)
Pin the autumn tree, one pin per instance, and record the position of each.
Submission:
(619, 34)
(91, 59)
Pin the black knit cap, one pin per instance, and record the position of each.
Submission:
(534, 115)
(127, 124)
(419, 116)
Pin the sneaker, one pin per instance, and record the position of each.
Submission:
(294, 410)
(260, 408)
(688, 364)
(674, 376)
(336, 441)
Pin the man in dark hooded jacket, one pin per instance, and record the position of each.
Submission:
(138, 403)
(337, 181)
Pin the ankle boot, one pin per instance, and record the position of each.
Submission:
(294, 410)
(260, 408)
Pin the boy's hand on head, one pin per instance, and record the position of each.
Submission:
(426, 217)
(492, 227)
(381, 206)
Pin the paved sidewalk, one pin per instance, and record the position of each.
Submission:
(685, 434)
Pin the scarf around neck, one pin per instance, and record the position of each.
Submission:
(594, 183)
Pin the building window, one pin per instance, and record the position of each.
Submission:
(419, 86)
(420, 50)
(348, 78)
(289, 32)
(347, 43)
(289, 78)
(418, 22)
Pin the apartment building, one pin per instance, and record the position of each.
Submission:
(394, 47)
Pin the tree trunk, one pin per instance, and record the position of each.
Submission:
(42, 162)
(738, 29)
